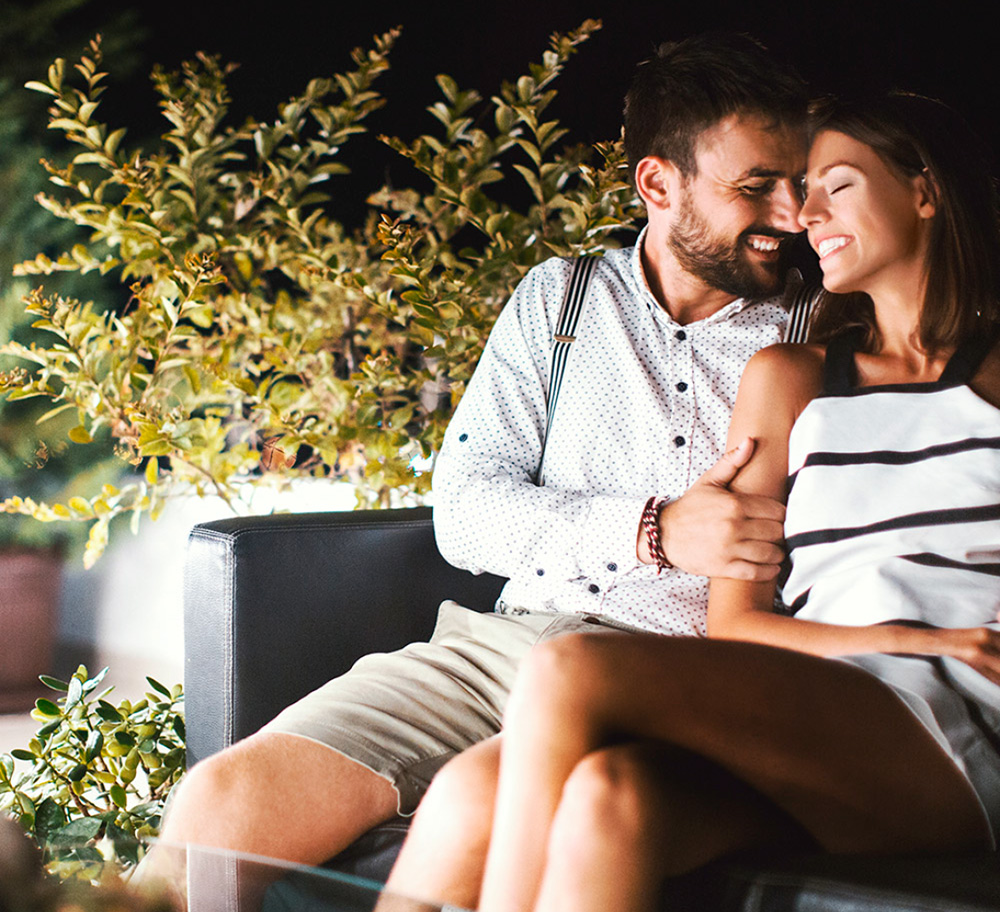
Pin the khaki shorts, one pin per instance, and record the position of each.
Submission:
(404, 714)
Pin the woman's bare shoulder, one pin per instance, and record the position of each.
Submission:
(792, 371)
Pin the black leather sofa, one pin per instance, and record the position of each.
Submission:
(276, 605)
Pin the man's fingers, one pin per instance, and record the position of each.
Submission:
(759, 552)
(750, 572)
(758, 507)
(729, 464)
(762, 530)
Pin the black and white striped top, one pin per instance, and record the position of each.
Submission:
(894, 503)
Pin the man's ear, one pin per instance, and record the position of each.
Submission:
(658, 181)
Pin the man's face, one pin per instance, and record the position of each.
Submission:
(739, 210)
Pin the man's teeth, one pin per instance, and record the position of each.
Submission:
(768, 245)
(828, 245)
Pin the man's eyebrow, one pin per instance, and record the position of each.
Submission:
(759, 171)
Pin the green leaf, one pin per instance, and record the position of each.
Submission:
(19, 754)
(47, 707)
(158, 687)
(49, 817)
(36, 86)
(76, 831)
(74, 693)
(118, 796)
(95, 742)
(47, 729)
(53, 683)
(107, 712)
(92, 683)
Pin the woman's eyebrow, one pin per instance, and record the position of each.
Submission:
(840, 163)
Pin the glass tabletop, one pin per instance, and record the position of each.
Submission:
(178, 878)
(201, 879)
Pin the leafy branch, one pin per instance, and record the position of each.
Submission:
(261, 339)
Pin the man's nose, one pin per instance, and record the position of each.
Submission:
(786, 203)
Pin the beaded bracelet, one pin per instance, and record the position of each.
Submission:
(651, 526)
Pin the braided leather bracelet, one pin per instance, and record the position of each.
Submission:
(651, 526)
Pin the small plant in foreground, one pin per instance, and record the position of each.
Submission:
(98, 774)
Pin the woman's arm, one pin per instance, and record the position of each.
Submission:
(777, 385)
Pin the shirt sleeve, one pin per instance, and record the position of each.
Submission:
(489, 515)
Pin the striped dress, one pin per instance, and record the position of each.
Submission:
(894, 516)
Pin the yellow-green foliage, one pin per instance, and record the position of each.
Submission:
(262, 339)
(97, 772)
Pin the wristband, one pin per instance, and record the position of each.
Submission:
(651, 526)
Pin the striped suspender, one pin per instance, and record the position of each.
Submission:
(565, 335)
(799, 299)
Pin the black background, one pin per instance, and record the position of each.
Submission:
(940, 49)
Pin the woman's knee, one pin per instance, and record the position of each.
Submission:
(604, 809)
(557, 673)
(462, 793)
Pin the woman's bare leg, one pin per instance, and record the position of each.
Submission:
(615, 837)
(444, 854)
(828, 743)
(634, 814)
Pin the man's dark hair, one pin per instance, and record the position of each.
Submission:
(688, 86)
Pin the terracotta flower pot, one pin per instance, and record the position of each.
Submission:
(30, 584)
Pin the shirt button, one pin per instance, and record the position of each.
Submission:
(680, 335)
(679, 441)
(612, 567)
(463, 437)
(681, 386)
(593, 587)
(540, 572)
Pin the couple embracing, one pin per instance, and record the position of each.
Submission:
(653, 720)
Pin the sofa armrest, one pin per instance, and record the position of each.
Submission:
(274, 606)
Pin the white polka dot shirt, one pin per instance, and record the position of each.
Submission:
(644, 409)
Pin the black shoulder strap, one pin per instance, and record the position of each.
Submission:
(800, 300)
(565, 335)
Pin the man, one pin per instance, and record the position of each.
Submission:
(713, 131)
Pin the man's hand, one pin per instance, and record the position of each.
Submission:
(712, 531)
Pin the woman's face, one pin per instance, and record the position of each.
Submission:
(868, 224)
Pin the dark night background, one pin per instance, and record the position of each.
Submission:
(940, 49)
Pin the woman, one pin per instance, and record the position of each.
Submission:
(868, 718)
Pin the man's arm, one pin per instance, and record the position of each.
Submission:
(488, 512)
(490, 515)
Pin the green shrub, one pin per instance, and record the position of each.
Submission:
(263, 339)
(98, 774)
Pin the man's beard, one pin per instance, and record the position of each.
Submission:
(719, 262)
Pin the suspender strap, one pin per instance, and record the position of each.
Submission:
(565, 335)
(799, 299)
